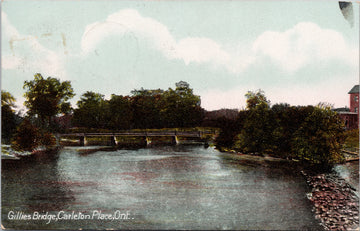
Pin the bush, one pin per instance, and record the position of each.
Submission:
(26, 137)
(47, 139)
(319, 138)
(352, 138)
(309, 134)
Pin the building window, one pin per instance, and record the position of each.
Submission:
(356, 98)
(356, 109)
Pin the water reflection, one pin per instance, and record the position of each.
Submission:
(165, 187)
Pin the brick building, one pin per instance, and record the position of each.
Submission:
(351, 115)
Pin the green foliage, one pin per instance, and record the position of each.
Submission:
(226, 138)
(47, 97)
(47, 139)
(180, 107)
(319, 137)
(143, 109)
(7, 99)
(146, 108)
(9, 119)
(120, 112)
(310, 134)
(26, 137)
(352, 138)
(90, 111)
(256, 133)
(256, 99)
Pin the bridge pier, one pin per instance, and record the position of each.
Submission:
(113, 141)
(175, 140)
(82, 140)
(147, 140)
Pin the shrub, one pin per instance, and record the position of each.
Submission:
(47, 139)
(26, 137)
(319, 138)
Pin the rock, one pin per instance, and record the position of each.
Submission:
(335, 203)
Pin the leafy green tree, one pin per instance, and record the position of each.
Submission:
(319, 137)
(310, 134)
(143, 109)
(146, 108)
(46, 98)
(256, 133)
(256, 99)
(120, 112)
(7, 99)
(91, 111)
(180, 107)
(229, 130)
(27, 136)
(9, 119)
(285, 124)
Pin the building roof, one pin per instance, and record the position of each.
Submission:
(341, 109)
(346, 113)
(355, 89)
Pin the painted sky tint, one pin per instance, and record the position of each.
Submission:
(299, 52)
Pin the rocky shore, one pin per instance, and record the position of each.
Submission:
(334, 201)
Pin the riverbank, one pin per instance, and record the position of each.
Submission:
(335, 200)
(7, 153)
(335, 203)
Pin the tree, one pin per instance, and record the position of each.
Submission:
(256, 133)
(180, 107)
(27, 136)
(47, 97)
(91, 111)
(7, 99)
(146, 108)
(255, 99)
(229, 130)
(319, 137)
(120, 112)
(9, 119)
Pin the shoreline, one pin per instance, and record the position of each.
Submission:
(335, 203)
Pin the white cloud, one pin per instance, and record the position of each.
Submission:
(304, 44)
(128, 21)
(190, 50)
(27, 54)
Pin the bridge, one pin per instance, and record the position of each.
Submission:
(351, 153)
(145, 134)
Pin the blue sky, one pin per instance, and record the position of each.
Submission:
(299, 52)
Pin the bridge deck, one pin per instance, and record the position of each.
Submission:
(166, 133)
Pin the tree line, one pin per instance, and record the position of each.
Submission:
(170, 108)
(47, 98)
(313, 134)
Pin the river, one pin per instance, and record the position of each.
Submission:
(165, 187)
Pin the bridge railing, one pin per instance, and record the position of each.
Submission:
(351, 150)
(142, 133)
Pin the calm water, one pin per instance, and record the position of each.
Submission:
(169, 187)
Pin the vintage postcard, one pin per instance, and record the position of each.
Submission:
(173, 115)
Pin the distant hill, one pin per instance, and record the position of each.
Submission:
(211, 117)
(227, 113)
